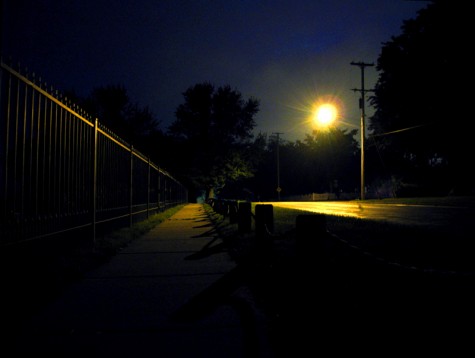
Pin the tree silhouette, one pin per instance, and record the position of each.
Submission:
(114, 109)
(325, 161)
(329, 160)
(421, 123)
(214, 130)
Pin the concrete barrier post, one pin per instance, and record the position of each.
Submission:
(220, 207)
(264, 221)
(310, 232)
(226, 206)
(233, 212)
(244, 217)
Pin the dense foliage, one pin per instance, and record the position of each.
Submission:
(326, 161)
(421, 127)
(114, 108)
(213, 131)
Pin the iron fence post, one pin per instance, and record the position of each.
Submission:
(148, 188)
(131, 183)
(94, 183)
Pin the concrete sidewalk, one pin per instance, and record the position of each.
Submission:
(138, 303)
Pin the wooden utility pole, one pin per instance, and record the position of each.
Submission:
(279, 189)
(362, 66)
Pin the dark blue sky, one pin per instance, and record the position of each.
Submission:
(285, 53)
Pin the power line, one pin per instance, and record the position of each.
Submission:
(400, 130)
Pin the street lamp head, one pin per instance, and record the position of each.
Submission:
(325, 114)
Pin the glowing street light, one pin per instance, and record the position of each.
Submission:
(325, 114)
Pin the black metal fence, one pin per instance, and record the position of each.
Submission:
(61, 170)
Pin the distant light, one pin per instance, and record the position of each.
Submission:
(325, 114)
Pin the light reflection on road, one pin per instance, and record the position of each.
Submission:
(408, 214)
(329, 208)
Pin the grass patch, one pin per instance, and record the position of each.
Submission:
(116, 240)
(424, 247)
(464, 201)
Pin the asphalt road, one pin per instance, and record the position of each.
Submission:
(453, 217)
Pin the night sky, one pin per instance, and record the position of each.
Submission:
(285, 53)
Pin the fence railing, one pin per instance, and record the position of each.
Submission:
(60, 170)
